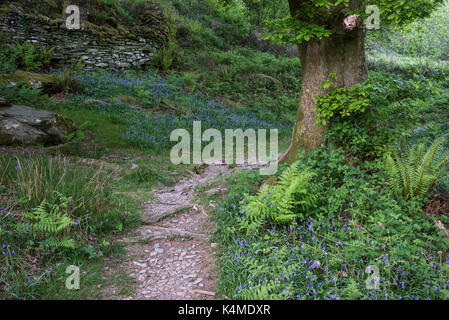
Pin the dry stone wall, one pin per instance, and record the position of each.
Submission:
(98, 46)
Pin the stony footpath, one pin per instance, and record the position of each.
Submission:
(171, 256)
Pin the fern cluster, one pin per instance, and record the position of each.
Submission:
(282, 203)
(48, 222)
(30, 57)
(165, 56)
(66, 80)
(412, 175)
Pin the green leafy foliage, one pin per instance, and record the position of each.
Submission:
(244, 78)
(358, 223)
(190, 81)
(426, 40)
(291, 30)
(30, 57)
(8, 64)
(164, 57)
(378, 113)
(402, 12)
(45, 56)
(66, 80)
(342, 103)
(283, 203)
(38, 220)
(311, 20)
(145, 173)
(261, 11)
(48, 221)
(27, 56)
(75, 138)
(412, 174)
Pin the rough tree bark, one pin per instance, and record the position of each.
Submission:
(344, 53)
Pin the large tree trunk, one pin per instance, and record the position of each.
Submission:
(344, 53)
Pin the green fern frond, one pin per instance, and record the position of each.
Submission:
(47, 219)
(282, 203)
(54, 242)
(413, 176)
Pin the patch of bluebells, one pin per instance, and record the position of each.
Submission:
(7, 250)
(153, 130)
(316, 258)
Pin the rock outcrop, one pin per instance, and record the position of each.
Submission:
(21, 125)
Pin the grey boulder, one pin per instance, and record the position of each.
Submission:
(25, 125)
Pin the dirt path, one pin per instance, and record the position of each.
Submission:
(171, 257)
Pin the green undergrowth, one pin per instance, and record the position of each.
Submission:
(55, 213)
(323, 250)
(316, 230)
